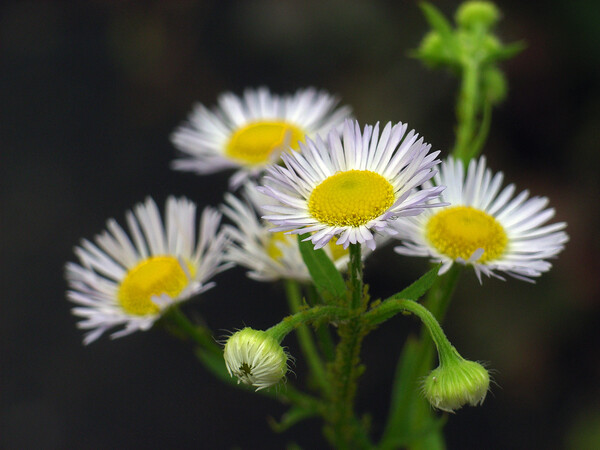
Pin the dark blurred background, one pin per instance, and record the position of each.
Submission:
(91, 90)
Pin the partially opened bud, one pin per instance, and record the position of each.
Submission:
(255, 358)
(455, 383)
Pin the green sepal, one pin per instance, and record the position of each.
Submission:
(327, 279)
(290, 418)
(437, 21)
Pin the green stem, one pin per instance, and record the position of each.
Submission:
(484, 129)
(411, 421)
(391, 306)
(211, 356)
(343, 428)
(289, 323)
(466, 110)
(198, 334)
(356, 275)
(305, 338)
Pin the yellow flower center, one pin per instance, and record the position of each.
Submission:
(351, 198)
(460, 230)
(151, 277)
(256, 142)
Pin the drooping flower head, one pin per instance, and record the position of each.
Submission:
(130, 281)
(455, 383)
(351, 185)
(269, 256)
(483, 226)
(251, 132)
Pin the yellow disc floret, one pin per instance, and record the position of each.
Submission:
(256, 142)
(459, 231)
(151, 277)
(351, 198)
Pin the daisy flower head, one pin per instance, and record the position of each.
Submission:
(351, 185)
(250, 132)
(131, 281)
(491, 230)
(267, 255)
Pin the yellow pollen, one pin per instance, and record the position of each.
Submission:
(151, 277)
(460, 230)
(256, 142)
(351, 198)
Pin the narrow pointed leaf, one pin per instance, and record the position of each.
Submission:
(419, 287)
(325, 275)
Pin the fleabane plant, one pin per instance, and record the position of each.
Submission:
(321, 192)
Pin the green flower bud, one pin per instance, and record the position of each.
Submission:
(255, 358)
(472, 14)
(455, 383)
(434, 51)
(494, 85)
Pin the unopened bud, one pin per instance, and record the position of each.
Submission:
(456, 383)
(255, 358)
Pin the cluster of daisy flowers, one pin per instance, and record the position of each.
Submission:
(305, 167)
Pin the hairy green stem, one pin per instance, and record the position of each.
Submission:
(289, 323)
(343, 428)
(389, 307)
(411, 422)
(356, 275)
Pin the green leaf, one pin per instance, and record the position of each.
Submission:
(437, 21)
(419, 287)
(326, 277)
(507, 51)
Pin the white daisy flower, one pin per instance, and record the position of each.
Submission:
(351, 188)
(269, 256)
(130, 282)
(483, 227)
(250, 133)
